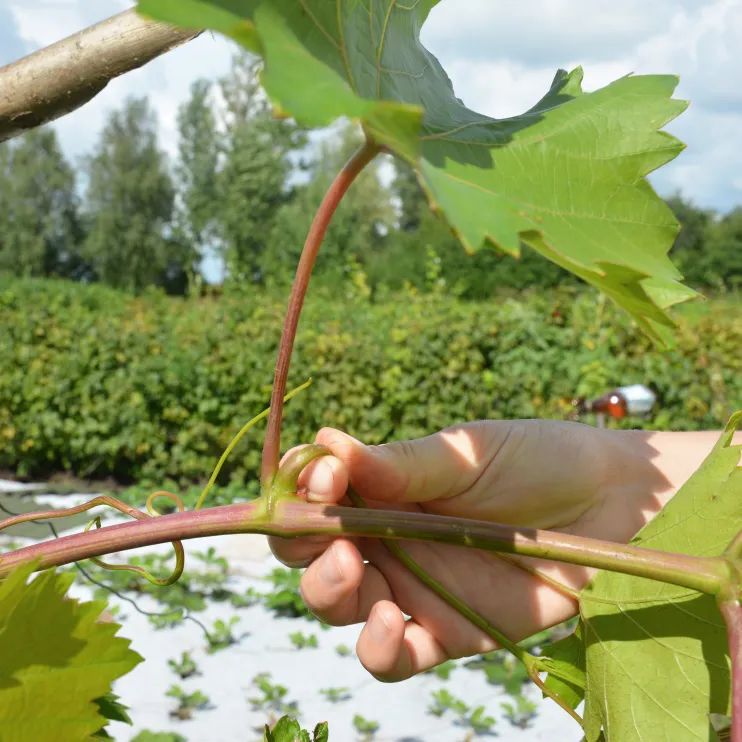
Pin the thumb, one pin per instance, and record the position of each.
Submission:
(438, 466)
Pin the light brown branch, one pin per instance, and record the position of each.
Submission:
(62, 77)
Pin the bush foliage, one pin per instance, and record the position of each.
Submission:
(99, 383)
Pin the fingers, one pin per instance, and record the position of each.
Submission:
(437, 466)
(393, 649)
(339, 588)
(324, 480)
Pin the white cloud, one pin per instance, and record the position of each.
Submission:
(501, 63)
(501, 56)
(45, 21)
(708, 172)
(704, 49)
(545, 32)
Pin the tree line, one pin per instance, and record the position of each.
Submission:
(241, 191)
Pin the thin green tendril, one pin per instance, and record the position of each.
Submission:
(122, 507)
(228, 450)
(141, 571)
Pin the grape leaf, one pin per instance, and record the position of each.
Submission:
(111, 708)
(565, 662)
(566, 178)
(58, 661)
(657, 659)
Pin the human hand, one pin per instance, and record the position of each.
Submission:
(545, 474)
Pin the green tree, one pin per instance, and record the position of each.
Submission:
(129, 205)
(358, 230)
(690, 245)
(412, 204)
(196, 168)
(708, 248)
(252, 184)
(40, 231)
(722, 263)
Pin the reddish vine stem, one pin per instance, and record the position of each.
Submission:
(122, 507)
(335, 193)
(296, 518)
(732, 613)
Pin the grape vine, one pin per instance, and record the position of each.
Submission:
(492, 180)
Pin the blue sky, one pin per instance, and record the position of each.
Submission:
(501, 56)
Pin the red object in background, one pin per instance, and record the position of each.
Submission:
(635, 399)
(613, 404)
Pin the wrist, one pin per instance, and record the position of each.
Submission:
(675, 456)
(638, 481)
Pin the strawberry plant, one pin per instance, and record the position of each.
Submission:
(187, 702)
(287, 729)
(273, 696)
(300, 640)
(336, 695)
(566, 179)
(367, 728)
(184, 667)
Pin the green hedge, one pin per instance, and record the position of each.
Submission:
(100, 383)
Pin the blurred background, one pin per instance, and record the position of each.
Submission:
(147, 243)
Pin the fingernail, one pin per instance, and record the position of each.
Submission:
(378, 628)
(330, 571)
(319, 485)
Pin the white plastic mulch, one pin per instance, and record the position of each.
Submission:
(264, 646)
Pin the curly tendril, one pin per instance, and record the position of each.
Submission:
(228, 450)
(122, 507)
(152, 512)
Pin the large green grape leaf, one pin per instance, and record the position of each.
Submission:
(657, 660)
(566, 178)
(58, 661)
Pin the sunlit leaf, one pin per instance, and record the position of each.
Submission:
(566, 178)
(58, 661)
(565, 662)
(657, 657)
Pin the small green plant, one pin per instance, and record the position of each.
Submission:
(210, 559)
(444, 670)
(185, 667)
(273, 696)
(475, 718)
(501, 669)
(220, 635)
(444, 700)
(303, 641)
(367, 728)
(147, 736)
(336, 695)
(168, 619)
(521, 712)
(343, 650)
(187, 702)
(247, 599)
(287, 729)
(479, 721)
(285, 599)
